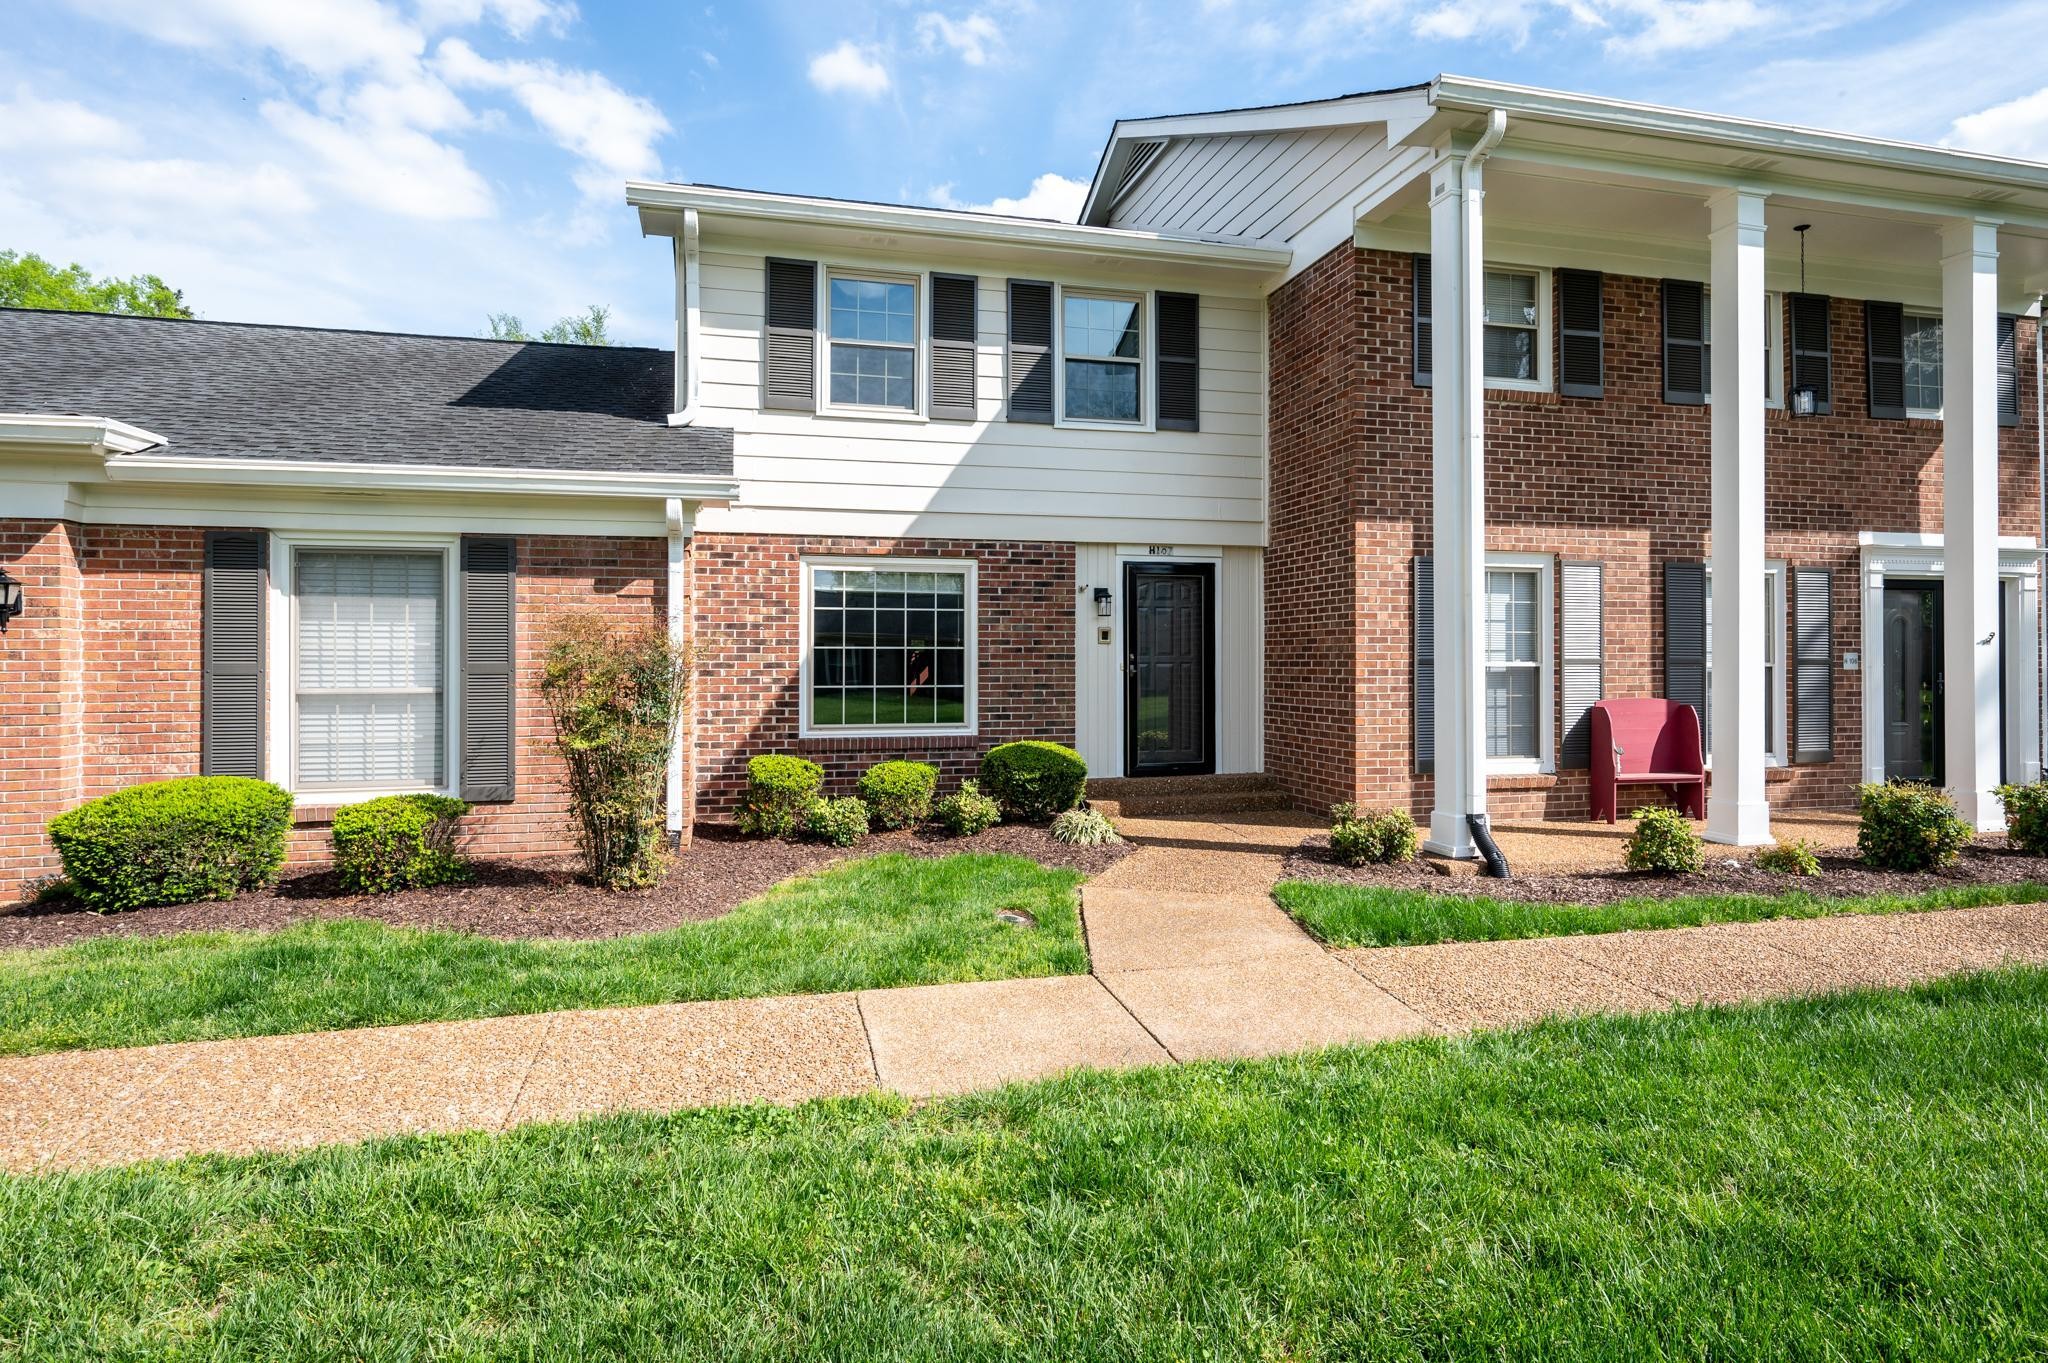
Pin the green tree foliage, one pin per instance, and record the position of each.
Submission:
(590, 327)
(29, 281)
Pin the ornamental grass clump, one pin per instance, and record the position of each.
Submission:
(617, 693)
(1908, 827)
(174, 842)
(899, 794)
(781, 788)
(1366, 837)
(1664, 841)
(398, 842)
(2026, 817)
(1084, 828)
(967, 811)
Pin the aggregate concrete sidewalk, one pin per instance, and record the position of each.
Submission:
(1191, 960)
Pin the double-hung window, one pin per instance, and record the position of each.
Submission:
(1102, 357)
(890, 646)
(1923, 364)
(369, 659)
(1514, 672)
(1514, 327)
(1774, 672)
(873, 353)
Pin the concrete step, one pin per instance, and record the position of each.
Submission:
(1148, 797)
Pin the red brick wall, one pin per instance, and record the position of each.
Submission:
(748, 598)
(42, 707)
(1623, 479)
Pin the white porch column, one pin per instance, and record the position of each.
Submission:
(1736, 810)
(1458, 484)
(1969, 405)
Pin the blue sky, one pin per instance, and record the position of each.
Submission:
(417, 164)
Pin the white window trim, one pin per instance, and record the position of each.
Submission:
(281, 658)
(1929, 413)
(920, 344)
(1147, 417)
(1774, 344)
(1545, 761)
(1544, 379)
(1779, 572)
(972, 622)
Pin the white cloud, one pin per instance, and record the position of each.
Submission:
(2018, 127)
(326, 37)
(389, 166)
(1657, 27)
(611, 131)
(976, 38)
(1050, 196)
(180, 186)
(850, 69)
(27, 121)
(517, 17)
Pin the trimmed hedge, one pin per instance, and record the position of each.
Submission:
(1032, 780)
(174, 842)
(842, 822)
(1364, 837)
(398, 842)
(1792, 857)
(2026, 817)
(1664, 841)
(967, 811)
(780, 790)
(899, 794)
(1908, 827)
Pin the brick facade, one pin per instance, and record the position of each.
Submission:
(1623, 479)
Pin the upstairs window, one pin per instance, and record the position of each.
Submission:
(1774, 345)
(873, 342)
(1923, 364)
(1101, 340)
(1513, 326)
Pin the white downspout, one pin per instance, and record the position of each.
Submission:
(689, 288)
(2041, 542)
(681, 525)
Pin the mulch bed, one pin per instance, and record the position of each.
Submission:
(1990, 861)
(534, 899)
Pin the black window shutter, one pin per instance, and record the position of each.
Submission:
(1685, 636)
(953, 347)
(1685, 342)
(791, 336)
(1179, 355)
(1581, 659)
(233, 596)
(2008, 370)
(1580, 297)
(1027, 368)
(490, 673)
(1813, 677)
(1812, 360)
(1884, 334)
(1425, 664)
(1424, 309)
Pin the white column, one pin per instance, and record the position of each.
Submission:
(1969, 406)
(1458, 525)
(1736, 810)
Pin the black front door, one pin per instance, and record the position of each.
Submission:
(1169, 668)
(1912, 681)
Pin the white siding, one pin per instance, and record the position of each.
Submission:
(1269, 185)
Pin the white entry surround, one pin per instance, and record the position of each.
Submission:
(1921, 557)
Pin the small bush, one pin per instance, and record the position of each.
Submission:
(1793, 856)
(841, 822)
(173, 842)
(1664, 841)
(1084, 828)
(2026, 817)
(1365, 837)
(899, 794)
(780, 790)
(1033, 781)
(967, 811)
(398, 842)
(1908, 827)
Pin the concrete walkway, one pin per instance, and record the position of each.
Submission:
(1191, 960)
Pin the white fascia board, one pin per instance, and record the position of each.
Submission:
(295, 473)
(93, 434)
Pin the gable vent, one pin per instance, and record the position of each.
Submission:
(1142, 157)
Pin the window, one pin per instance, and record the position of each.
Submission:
(891, 646)
(874, 342)
(1923, 364)
(1774, 342)
(1774, 647)
(1513, 664)
(369, 656)
(1102, 349)
(1513, 326)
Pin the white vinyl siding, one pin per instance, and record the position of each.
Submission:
(370, 669)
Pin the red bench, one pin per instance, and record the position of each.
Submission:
(1648, 743)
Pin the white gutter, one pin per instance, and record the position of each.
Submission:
(276, 473)
(1496, 129)
(681, 525)
(99, 435)
(689, 305)
(2041, 492)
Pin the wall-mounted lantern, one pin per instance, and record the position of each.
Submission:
(1102, 606)
(1803, 398)
(10, 598)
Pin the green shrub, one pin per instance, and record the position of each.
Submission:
(1664, 841)
(1033, 781)
(2026, 817)
(173, 842)
(1365, 837)
(1793, 856)
(899, 794)
(1908, 827)
(398, 842)
(780, 789)
(1084, 828)
(967, 811)
(842, 822)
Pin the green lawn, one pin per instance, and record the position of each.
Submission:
(1857, 1176)
(885, 920)
(1357, 916)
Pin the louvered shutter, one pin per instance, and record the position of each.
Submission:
(1425, 664)
(2008, 371)
(953, 347)
(489, 669)
(1812, 361)
(1813, 690)
(1884, 337)
(1423, 307)
(231, 673)
(1685, 636)
(791, 336)
(1685, 342)
(1580, 295)
(1179, 355)
(1581, 660)
(1028, 365)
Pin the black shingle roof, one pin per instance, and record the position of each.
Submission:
(239, 391)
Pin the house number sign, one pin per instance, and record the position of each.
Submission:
(1158, 549)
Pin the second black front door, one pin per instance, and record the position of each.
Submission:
(1169, 668)
(1912, 681)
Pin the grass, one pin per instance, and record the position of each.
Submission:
(1856, 1176)
(1360, 916)
(885, 920)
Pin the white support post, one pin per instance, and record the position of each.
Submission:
(1737, 811)
(1969, 405)
(1458, 483)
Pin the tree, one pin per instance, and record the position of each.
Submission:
(585, 328)
(29, 281)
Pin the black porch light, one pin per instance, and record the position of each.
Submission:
(1803, 400)
(1102, 602)
(10, 597)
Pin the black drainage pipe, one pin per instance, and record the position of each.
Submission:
(1482, 835)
